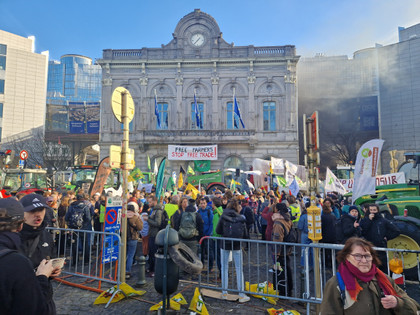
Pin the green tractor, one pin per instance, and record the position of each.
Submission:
(401, 203)
(210, 180)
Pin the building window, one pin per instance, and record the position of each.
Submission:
(1, 86)
(3, 49)
(269, 116)
(1, 110)
(163, 115)
(2, 62)
(233, 121)
(200, 113)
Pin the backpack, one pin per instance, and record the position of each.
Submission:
(289, 237)
(76, 218)
(233, 227)
(339, 234)
(187, 227)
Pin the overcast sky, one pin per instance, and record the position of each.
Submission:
(87, 27)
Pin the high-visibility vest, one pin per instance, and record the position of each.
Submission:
(295, 212)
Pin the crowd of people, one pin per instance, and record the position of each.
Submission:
(269, 216)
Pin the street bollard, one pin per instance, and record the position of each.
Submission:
(142, 271)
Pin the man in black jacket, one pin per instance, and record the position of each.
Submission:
(21, 290)
(37, 242)
(378, 230)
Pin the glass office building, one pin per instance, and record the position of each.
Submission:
(73, 95)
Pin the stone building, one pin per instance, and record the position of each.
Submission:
(198, 60)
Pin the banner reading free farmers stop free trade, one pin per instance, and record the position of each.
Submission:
(191, 153)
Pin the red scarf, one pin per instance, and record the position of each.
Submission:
(350, 274)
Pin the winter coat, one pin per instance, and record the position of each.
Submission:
(347, 226)
(288, 224)
(267, 215)
(155, 220)
(21, 291)
(303, 228)
(217, 213)
(229, 215)
(328, 221)
(135, 224)
(37, 243)
(249, 216)
(207, 216)
(88, 211)
(378, 230)
(368, 301)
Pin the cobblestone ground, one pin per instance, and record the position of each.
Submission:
(72, 300)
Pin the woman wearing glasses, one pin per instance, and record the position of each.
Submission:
(359, 287)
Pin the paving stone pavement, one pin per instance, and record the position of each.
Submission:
(71, 300)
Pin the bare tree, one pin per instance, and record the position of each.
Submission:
(43, 154)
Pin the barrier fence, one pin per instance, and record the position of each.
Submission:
(91, 258)
(280, 270)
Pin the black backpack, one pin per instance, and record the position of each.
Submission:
(234, 227)
(76, 217)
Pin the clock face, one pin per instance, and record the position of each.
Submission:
(197, 39)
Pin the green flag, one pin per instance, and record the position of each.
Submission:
(170, 184)
(136, 174)
(202, 166)
(148, 162)
(159, 178)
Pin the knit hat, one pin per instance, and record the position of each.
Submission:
(353, 207)
(133, 206)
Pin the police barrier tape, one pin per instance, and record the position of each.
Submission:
(91, 258)
(276, 271)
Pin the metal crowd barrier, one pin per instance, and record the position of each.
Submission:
(259, 264)
(91, 258)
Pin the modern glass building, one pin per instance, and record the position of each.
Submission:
(73, 95)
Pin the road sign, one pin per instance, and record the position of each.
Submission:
(21, 163)
(112, 225)
(116, 104)
(23, 155)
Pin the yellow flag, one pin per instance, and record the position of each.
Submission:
(104, 297)
(263, 288)
(197, 304)
(180, 181)
(175, 303)
(194, 190)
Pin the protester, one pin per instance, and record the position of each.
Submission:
(190, 227)
(21, 290)
(134, 225)
(350, 224)
(361, 288)
(156, 216)
(206, 214)
(37, 242)
(144, 233)
(79, 217)
(378, 230)
(215, 244)
(328, 221)
(232, 225)
(304, 239)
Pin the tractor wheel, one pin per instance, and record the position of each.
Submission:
(408, 239)
(210, 189)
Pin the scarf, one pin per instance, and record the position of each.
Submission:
(350, 274)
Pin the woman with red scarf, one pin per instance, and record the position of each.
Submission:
(359, 287)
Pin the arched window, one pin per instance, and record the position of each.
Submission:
(162, 109)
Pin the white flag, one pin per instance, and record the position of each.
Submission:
(277, 165)
(155, 169)
(332, 183)
(365, 169)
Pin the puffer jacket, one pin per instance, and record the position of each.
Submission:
(378, 230)
(368, 301)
